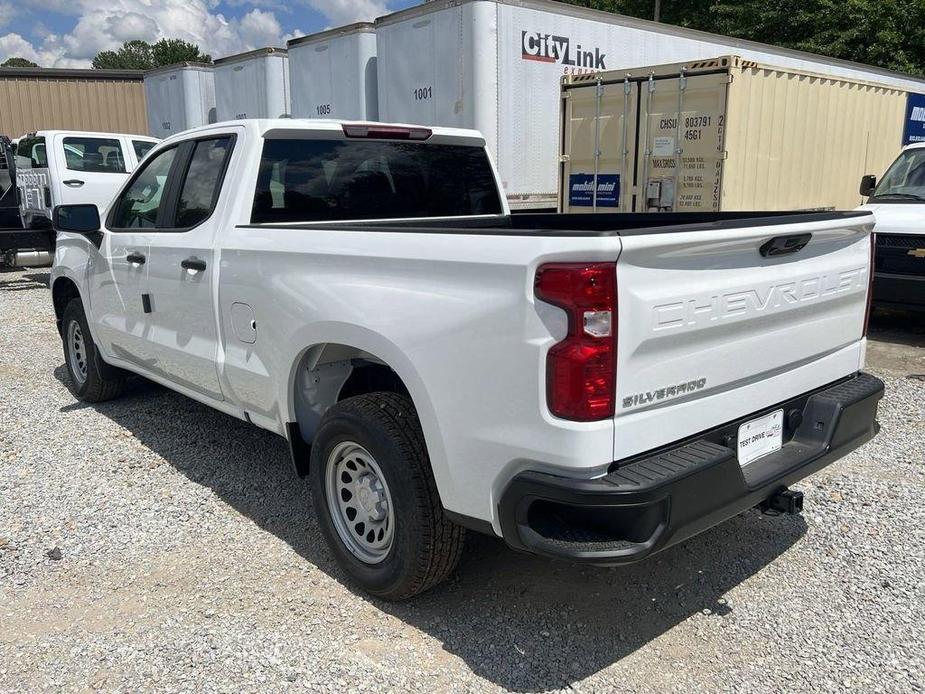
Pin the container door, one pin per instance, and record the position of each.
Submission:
(599, 137)
(680, 166)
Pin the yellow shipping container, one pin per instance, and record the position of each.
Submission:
(749, 137)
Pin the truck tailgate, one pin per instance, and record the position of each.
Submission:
(710, 329)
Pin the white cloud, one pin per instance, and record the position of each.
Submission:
(106, 24)
(347, 11)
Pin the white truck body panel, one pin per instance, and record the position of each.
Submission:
(179, 97)
(334, 74)
(897, 217)
(495, 65)
(66, 185)
(455, 316)
(252, 85)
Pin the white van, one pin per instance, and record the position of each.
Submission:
(898, 203)
(60, 167)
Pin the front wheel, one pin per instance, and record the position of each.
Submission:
(376, 499)
(92, 379)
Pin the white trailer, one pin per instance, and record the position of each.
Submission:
(252, 85)
(179, 97)
(334, 73)
(495, 65)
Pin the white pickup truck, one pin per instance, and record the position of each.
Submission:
(62, 167)
(898, 204)
(593, 388)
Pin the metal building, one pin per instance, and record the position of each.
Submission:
(51, 98)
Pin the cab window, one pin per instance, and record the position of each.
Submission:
(139, 205)
(141, 148)
(30, 153)
(203, 181)
(94, 155)
(308, 180)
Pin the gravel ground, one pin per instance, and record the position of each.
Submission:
(153, 544)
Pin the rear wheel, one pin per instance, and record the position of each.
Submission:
(92, 379)
(376, 499)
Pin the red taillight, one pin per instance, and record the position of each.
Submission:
(870, 282)
(386, 132)
(581, 369)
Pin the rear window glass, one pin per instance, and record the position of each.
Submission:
(319, 180)
(142, 148)
(30, 153)
(94, 154)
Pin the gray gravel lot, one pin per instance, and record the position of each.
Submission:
(190, 561)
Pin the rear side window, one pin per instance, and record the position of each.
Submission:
(303, 180)
(30, 153)
(202, 183)
(94, 155)
(142, 148)
(139, 205)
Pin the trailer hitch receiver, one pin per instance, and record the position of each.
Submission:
(785, 501)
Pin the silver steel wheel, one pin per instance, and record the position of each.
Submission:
(77, 351)
(359, 501)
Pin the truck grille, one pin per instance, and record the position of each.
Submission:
(900, 254)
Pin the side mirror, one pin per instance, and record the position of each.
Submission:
(868, 184)
(80, 219)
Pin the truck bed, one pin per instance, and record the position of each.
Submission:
(600, 224)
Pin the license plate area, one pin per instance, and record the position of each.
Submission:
(760, 437)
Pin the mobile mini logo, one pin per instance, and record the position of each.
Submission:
(548, 48)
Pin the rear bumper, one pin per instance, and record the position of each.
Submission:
(650, 502)
(899, 290)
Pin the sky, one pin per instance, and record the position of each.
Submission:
(68, 33)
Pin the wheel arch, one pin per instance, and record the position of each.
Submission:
(63, 290)
(349, 363)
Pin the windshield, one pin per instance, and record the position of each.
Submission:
(905, 179)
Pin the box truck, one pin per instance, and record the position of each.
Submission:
(722, 134)
(495, 65)
(179, 97)
(252, 85)
(334, 73)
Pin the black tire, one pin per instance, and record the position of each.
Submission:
(425, 546)
(101, 381)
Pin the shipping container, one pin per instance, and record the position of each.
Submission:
(722, 135)
(252, 85)
(495, 65)
(179, 97)
(334, 74)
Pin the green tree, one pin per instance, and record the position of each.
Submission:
(18, 62)
(885, 33)
(141, 55)
(133, 55)
(170, 51)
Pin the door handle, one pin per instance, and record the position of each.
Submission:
(135, 258)
(73, 182)
(193, 263)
